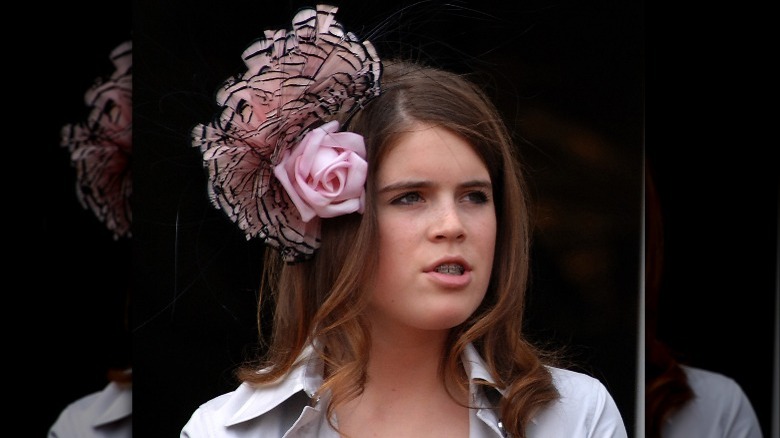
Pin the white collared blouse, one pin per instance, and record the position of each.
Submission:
(286, 408)
(103, 414)
(720, 409)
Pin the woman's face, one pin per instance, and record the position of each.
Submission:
(437, 232)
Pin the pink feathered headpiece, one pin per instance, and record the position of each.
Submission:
(275, 163)
(100, 148)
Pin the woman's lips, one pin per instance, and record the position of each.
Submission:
(450, 272)
(450, 280)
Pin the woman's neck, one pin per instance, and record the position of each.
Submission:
(405, 394)
(395, 365)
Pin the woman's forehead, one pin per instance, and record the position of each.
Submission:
(431, 151)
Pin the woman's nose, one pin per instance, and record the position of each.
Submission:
(448, 225)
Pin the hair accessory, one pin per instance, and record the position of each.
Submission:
(100, 148)
(273, 167)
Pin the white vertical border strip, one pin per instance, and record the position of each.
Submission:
(639, 414)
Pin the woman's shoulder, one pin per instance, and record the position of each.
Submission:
(720, 404)
(101, 412)
(585, 408)
(254, 408)
(257, 404)
(219, 410)
(715, 389)
(703, 379)
(576, 384)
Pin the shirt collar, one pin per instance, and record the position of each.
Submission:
(475, 365)
(247, 402)
(114, 402)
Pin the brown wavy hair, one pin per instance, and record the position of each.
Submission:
(324, 298)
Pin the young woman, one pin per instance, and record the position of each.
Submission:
(393, 194)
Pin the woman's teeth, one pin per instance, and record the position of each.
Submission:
(450, 268)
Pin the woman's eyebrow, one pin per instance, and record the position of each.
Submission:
(418, 184)
(406, 185)
(481, 183)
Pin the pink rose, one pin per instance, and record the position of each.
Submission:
(325, 173)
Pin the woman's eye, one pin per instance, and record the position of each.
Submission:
(407, 198)
(477, 197)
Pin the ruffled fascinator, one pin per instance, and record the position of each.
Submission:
(276, 160)
(100, 147)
